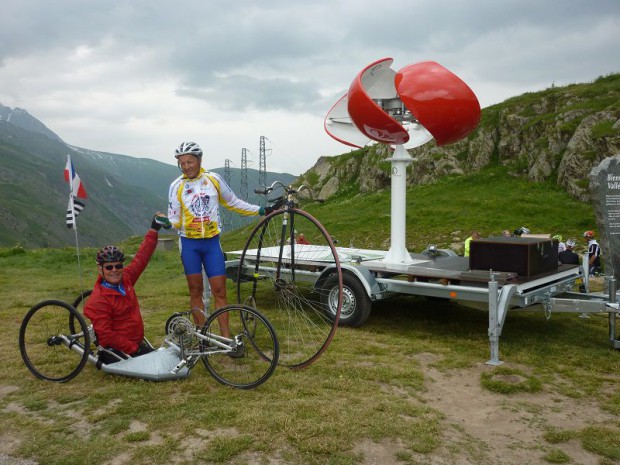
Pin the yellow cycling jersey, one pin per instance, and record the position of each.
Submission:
(193, 205)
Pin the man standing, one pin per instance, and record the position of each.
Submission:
(594, 253)
(193, 209)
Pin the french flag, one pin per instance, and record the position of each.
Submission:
(72, 177)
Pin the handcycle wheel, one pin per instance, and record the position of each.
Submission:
(45, 340)
(81, 299)
(286, 280)
(255, 351)
(79, 304)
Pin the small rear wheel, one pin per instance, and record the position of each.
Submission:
(248, 355)
(46, 341)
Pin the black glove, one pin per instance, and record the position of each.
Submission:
(264, 211)
(276, 206)
(159, 221)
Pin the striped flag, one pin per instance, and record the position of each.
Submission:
(77, 189)
(72, 214)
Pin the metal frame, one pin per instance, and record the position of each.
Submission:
(499, 292)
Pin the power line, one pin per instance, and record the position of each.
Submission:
(244, 175)
(262, 164)
(227, 171)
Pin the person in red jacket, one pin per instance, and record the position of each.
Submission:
(113, 306)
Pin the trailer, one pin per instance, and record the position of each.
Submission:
(441, 273)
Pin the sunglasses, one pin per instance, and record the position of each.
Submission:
(113, 267)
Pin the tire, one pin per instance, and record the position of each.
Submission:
(356, 304)
(45, 341)
(279, 278)
(250, 363)
(78, 304)
(81, 299)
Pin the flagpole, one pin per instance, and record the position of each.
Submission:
(72, 210)
(77, 249)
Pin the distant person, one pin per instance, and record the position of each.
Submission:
(474, 236)
(561, 245)
(594, 253)
(193, 209)
(568, 256)
(301, 239)
(113, 306)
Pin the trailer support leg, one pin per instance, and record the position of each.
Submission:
(499, 301)
(615, 343)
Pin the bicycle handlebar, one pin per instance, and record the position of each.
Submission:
(288, 189)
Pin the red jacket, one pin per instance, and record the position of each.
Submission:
(115, 317)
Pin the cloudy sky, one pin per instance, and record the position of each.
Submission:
(137, 77)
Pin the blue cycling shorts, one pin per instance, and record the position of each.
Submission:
(196, 253)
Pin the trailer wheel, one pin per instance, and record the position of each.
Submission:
(356, 304)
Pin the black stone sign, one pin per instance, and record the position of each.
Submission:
(605, 190)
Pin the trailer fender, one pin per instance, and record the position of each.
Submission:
(363, 274)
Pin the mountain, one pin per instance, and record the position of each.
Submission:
(123, 191)
(557, 135)
(21, 118)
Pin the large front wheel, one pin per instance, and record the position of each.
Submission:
(49, 348)
(242, 346)
(284, 279)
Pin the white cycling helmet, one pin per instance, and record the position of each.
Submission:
(570, 243)
(188, 148)
(524, 230)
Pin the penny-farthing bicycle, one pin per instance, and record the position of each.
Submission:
(297, 286)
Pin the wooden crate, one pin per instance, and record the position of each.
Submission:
(524, 256)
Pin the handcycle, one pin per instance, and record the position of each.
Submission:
(298, 286)
(56, 343)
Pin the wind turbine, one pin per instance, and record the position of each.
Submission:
(405, 109)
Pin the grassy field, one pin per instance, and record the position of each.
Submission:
(372, 390)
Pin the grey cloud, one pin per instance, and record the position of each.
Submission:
(245, 93)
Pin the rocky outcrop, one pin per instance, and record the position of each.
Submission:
(585, 150)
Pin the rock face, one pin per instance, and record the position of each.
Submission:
(605, 190)
(559, 134)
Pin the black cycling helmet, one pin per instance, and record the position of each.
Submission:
(188, 148)
(110, 253)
